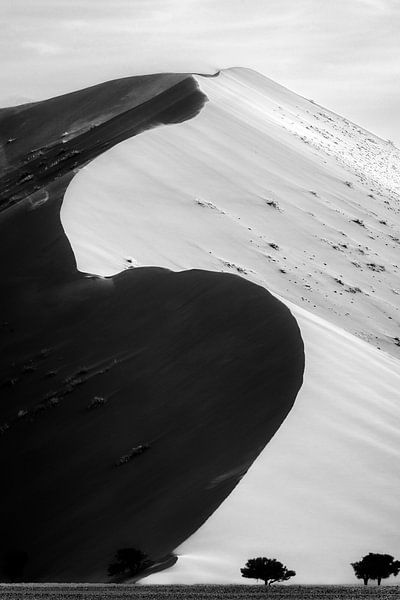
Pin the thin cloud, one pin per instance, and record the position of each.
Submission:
(328, 50)
(42, 48)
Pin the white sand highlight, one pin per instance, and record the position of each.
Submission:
(325, 490)
(259, 166)
(199, 194)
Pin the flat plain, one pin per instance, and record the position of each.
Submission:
(195, 592)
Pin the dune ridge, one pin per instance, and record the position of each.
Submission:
(262, 183)
(131, 406)
(268, 185)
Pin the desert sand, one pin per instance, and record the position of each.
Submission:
(131, 406)
(287, 194)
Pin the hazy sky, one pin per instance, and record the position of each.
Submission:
(345, 54)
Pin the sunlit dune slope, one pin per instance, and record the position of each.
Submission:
(262, 183)
(325, 490)
(132, 406)
(287, 194)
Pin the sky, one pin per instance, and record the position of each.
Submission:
(344, 54)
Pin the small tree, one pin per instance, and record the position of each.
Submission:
(129, 562)
(13, 565)
(376, 567)
(269, 570)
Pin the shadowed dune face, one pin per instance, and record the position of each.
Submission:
(262, 183)
(50, 139)
(195, 370)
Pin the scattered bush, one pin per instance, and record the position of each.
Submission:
(375, 267)
(376, 567)
(136, 451)
(52, 373)
(9, 382)
(13, 564)
(272, 204)
(129, 562)
(269, 570)
(96, 402)
(4, 428)
(51, 402)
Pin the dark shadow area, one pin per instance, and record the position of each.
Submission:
(13, 563)
(197, 368)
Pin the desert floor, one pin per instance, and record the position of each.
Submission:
(198, 592)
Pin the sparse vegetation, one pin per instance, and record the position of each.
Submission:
(112, 591)
(44, 352)
(129, 562)
(269, 570)
(272, 204)
(136, 451)
(77, 378)
(13, 564)
(375, 267)
(44, 406)
(376, 566)
(358, 222)
(239, 269)
(96, 402)
(51, 373)
(3, 428)
(9, 382)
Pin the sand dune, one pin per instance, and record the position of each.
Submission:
(264, 183)
(271, 186)
(325, 490)
(131, 406)
(242, 178)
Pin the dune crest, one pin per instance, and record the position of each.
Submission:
(287, 194)
(131, 406)
(262, 183)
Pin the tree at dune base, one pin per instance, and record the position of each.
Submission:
(269, 570)
(129, 562)
(12, 565)
(376, 567)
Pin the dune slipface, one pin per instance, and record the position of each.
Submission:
(195, 371)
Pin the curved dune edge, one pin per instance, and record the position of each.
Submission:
(324, 492)
(339, 447)
(258, 183)
(202, 367)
